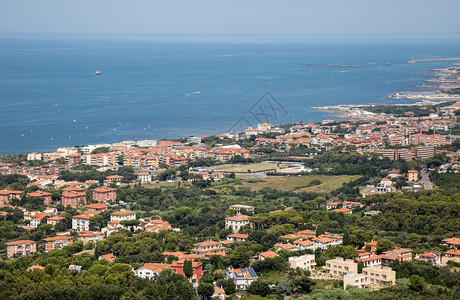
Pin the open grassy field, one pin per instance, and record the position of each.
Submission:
(241, 168)
(300, 183)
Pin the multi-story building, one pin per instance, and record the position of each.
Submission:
(104, 194)
(208, 248)
(339, 266)
(435, 140)
(36, 219)
(306, 262)
(354, 279)
(178, 268)
(80, 222)
(423, 151)
(380, 276)
(97, 207)
(7, 195)
(90, 236)
(144, 178)
(57, 242)
(20, 248)
(72, 159)
(235, 223)
(123, 215)
(39, 194)
(73, 196)
(412, 175)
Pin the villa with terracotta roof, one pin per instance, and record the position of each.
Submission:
(104, 194)
(149, 270)
(208, 248)
(108, 257)
(235, 223)
(452, 242)
(343, 210)
(267, 254)
(400, 254)
(20, 248)
(113, 179)
(57, 242)
(36, 219)
(432, 256)
(237, 237)
(288, 246)
(54, 220)
(123, 215)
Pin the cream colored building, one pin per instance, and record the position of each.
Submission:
(354, 279)
(306, 262)
(339, 266)
(236, 223)
(380, 276)
(123, 215)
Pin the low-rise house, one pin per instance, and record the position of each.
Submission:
(306, 262)
(452, 242)
(400, 254)
(36, 219)
(332, 205)
(371, 260)
(242, 277)
(303, 245)
(35, 267)
(219, 293)
(54, 220)
(237, 222)
(339, 266)
(267, 254)
(123, 215)
(80, 222)
(237, 237)
(343, 210)
(432, 256)
(110, 258)
(113, 179)
(20, 248)
(354, 279)
(149, 270)
(380, 276)
(288, 246)
(57, 242)
(451, 254)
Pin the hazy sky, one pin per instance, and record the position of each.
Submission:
(230, 17)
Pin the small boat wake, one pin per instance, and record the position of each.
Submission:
(192, 93)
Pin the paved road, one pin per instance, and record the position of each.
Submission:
(425, 180)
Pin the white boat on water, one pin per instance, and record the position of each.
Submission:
(98, 72)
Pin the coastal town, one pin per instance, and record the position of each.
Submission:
(271, 210)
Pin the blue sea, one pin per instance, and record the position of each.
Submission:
(50, 96)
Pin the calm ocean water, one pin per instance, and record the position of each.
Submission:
(50, 97)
